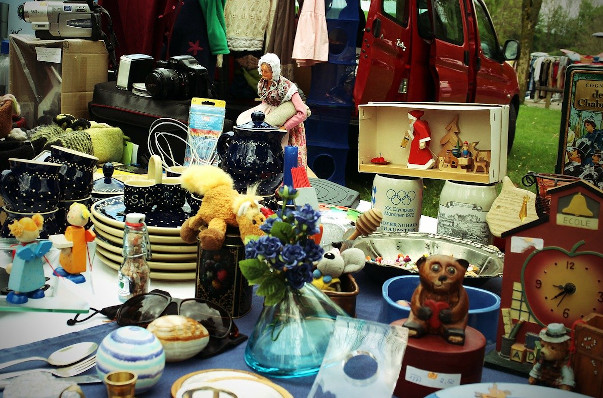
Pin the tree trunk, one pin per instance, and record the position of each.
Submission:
(529, 18)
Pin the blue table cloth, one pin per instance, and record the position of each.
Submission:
(368, 306)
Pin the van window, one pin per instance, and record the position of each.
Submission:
(487, 35)
(448, 23)
(423, 20)
(396, 10)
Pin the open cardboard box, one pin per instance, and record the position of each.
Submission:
(382, 127)
(49, 77)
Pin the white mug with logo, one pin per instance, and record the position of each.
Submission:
(400, 199)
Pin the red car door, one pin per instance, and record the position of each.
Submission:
(453, 61)
(383, 65)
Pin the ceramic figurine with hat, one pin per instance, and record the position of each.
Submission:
(27, 269)
(552, 367)
(440, 304)
(74, 244)
(420, 156)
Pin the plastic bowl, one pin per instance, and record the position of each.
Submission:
(483, 305)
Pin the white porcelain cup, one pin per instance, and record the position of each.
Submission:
(400, 200)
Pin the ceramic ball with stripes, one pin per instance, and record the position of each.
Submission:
(134, 349)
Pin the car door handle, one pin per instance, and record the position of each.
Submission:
(400, 44)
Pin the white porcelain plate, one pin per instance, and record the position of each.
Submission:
(175, 257)
(168, 276)
(154, 265)
(154, 238)
(190, 249)
(509, 390)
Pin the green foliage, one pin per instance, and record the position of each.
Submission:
(556, 29)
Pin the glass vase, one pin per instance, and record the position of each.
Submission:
(291, 337)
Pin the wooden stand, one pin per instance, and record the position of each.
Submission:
(430, 363)
(588, 359)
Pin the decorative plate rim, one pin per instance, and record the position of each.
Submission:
(176, 276)
(155, 256)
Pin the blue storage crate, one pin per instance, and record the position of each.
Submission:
(342, 41)
(342, 9)
(332, 84)
(328, 163)
(328, 126)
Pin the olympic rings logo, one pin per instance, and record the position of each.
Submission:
(400, 197)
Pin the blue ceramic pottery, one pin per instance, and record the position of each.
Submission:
(30, 186)
(253, 153)
(133, 349)
(76, 174)
(52, 224)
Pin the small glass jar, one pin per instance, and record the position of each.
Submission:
(134, 272)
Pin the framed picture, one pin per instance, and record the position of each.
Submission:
(581, 132)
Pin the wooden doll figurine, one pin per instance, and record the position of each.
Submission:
(74, 244)
(440, 304)
(27, 269)
(420, 156)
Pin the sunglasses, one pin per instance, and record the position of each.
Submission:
(143, 309)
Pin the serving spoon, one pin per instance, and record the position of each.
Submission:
(62, 357)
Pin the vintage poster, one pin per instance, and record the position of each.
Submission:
(581, 133)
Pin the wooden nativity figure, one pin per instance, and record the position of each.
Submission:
(420, 156)
(440, 304)
(74, 244)
(27, 278)
(282, 105)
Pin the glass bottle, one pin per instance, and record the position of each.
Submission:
(134, 272)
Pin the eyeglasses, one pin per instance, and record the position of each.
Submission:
(143, 309)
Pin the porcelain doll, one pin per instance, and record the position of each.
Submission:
(420, 157)
(74, 244)
(275, 90)
(27, 269)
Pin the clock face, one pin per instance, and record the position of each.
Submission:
(562, 286)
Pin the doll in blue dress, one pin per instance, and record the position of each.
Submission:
(27, 269)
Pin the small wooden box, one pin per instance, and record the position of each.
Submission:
(382, 127)
(518, 352)
(588, 359)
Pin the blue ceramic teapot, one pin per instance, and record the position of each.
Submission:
(253, 153)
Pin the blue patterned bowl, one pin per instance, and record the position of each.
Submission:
(134, 349)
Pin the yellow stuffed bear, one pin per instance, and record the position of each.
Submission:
(221, 206)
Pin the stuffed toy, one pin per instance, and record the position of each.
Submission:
(9, 107)
(440, 304)
(333, 264)
(553, 365)
(221, 206)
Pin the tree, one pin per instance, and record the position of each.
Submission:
(529, 18)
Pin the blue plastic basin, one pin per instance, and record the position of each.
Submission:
(483, 305)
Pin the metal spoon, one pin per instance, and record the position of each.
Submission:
(64, 356)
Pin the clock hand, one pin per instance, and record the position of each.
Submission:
(560, 287)
(561, 293)
(562, 297)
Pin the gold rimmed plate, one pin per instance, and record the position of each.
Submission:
(154, 265)
(112, 211)
(175, 248)
(173, 276)
(246, 383)
(155, 255)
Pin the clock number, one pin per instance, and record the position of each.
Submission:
(600, 299)
(538, 283)
(569, 265)
(566, 313)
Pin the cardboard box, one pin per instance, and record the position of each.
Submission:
(49, 77)
(382, 126)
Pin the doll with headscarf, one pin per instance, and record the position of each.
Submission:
(281, 103)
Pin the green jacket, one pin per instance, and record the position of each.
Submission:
(213, 11)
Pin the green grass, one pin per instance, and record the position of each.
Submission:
(534, 149)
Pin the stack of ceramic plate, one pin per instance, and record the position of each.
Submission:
(171, 259)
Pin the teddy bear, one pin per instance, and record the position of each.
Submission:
(333, 264)
(552, 367)
(440, 304)
(221, 206)
(27, 278)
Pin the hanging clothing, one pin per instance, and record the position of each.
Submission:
(311, 44)
(246, 23)
(213, 10)
(281, 37)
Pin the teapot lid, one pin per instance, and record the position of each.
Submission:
(108, 184)
(257, 123)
